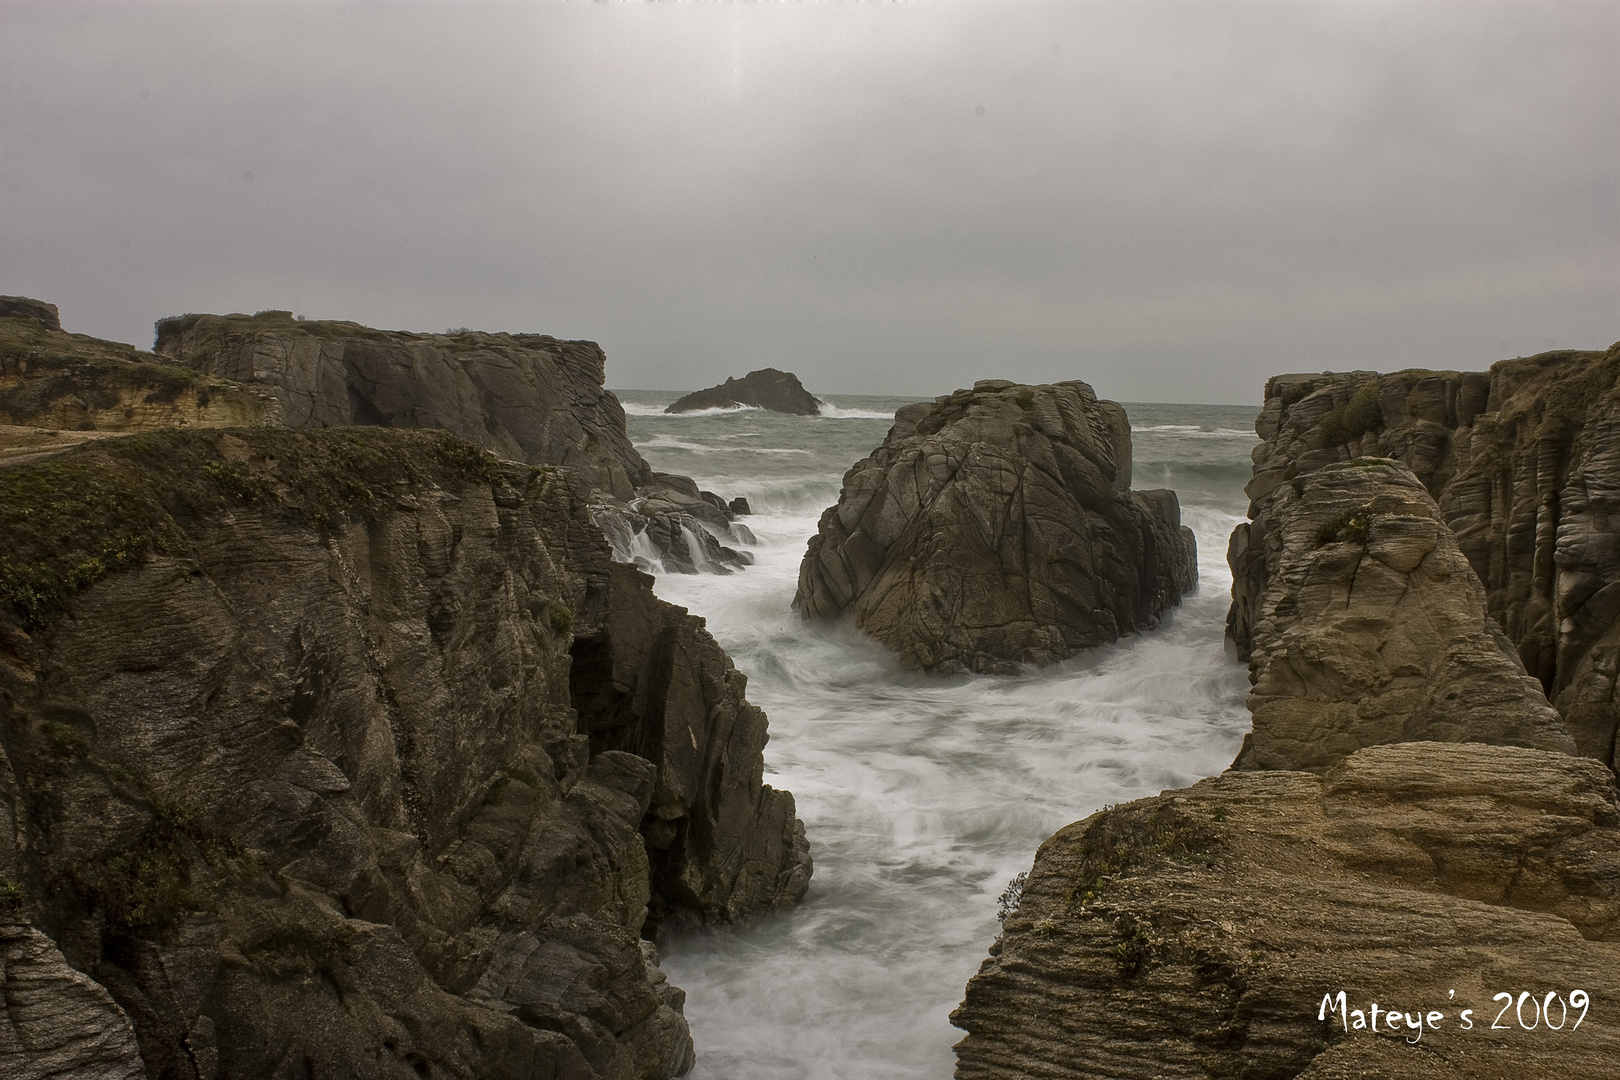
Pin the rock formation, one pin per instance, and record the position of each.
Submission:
(996, 528)
(55, 382)
(353, 753)
(1524, 465)
(1369, 626)
(1197, 933)
(767, 388)
(526, 397)
(1437, 845)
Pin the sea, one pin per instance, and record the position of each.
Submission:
(923, 797)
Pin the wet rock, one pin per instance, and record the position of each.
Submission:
(1197, 933)
(1369, 626)
(996, 528)
(767, 388)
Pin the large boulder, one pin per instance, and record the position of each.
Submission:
(767, 388)
(1198, 933)
(996, 528)
(1524, 462)
(354, 753)
(1363, 624)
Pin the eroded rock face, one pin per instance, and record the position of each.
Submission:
(55, 382)
(767, 388)
(996, 528)
(1369, 626)
(1523, 463)
(354, 753)
(1196, 934)
(58, 1024)
(526, 397)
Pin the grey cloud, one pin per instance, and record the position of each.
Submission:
(1170, 200)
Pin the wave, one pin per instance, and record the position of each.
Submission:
(1196, 432)
(670, 442)
(833, 412)
(636, 408)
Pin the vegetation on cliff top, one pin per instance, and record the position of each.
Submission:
(68, 521)
(39, 366)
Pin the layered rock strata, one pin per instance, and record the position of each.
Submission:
(996, 528)
(53, 382)
(353, 753)
(1522, 461)
(767, 388)
(1370, 627)
(1196, 934)
(526, 397)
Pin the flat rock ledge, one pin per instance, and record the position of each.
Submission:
(994, 529)
(767, 388)
(1196, 934)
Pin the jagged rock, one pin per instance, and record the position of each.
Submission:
(1523, 463)
(526, 397)
(57, 1023)
(1196, 933)
(21, 307)
(353, 752)
(996, 528)
(55, 382)
(767, 388)
(1363, 624)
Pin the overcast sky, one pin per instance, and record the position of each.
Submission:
(1171, 201)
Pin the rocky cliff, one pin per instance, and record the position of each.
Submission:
(767, 388)
(1369, 626)
(52, 381)
(353, 753)
(526, 397)
(1522, 461)
(1409, 872)
(996, 528)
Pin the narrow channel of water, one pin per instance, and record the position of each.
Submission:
(922, 797)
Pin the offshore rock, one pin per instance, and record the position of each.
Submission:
(66, 388)
(996, 528)
(1524, 464)
(1369, 626)
(526, 397)
(353, 753)
(767, 388)
(1197, 933)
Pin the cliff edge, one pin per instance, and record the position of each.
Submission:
(354, 753)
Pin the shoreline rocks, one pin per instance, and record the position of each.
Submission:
(767, 388)
(1523, 464)
(356, 748)
(996, 528)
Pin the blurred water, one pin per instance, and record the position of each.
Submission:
(922, 797)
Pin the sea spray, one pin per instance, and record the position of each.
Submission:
(923, 797)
